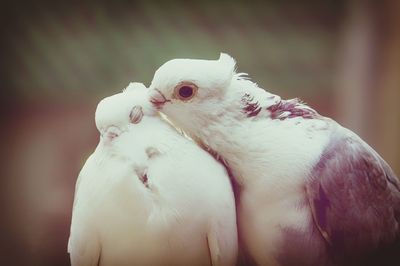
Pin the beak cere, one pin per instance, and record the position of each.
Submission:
(157, 98)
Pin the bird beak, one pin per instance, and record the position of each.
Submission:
(157, 98)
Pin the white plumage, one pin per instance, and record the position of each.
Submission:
(148, 195)
(311, 192)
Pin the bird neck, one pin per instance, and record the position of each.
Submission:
(223, 138)
(256, 127)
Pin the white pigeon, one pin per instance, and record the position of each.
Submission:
(148, 195)
(311, 192)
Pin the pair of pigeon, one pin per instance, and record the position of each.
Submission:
(307, 190)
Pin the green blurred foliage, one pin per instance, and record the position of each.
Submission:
(65, 51)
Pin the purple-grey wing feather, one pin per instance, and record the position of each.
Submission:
(355, 199)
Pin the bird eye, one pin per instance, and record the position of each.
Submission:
(185, 92)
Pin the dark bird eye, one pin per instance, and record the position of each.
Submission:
(185, 92)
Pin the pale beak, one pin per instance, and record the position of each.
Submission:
(157, 98)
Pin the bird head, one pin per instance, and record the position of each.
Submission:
(184, 86)
(116, 113)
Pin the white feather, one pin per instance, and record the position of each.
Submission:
(269, 158)
(184, 215)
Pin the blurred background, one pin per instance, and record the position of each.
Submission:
(59, 60)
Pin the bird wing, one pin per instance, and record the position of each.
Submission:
(83, 245)
(354, 197)
(222, 244)
(73, 207)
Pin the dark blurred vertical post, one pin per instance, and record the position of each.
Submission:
(368, 83)
(388, 89)
(357, 79)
